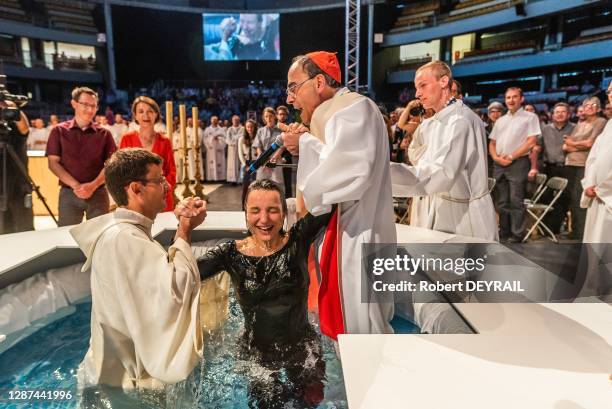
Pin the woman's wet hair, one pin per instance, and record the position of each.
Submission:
(270, 186)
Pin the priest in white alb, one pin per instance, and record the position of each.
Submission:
(344, 160)
(453, 169)
(145, 323)
(232, 136)
(597, 184)
(597, 198)
(214, 143)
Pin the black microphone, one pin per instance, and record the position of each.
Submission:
(276, 145)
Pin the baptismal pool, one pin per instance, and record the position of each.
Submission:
(48, 360)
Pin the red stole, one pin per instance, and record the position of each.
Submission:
(330, 305)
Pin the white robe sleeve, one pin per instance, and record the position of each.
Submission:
(158, 295)
(339, 170)
(434, 173)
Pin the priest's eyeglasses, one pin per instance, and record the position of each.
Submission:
(292, 89)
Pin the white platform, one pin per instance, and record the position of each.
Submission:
(482, 371)
(18, 248)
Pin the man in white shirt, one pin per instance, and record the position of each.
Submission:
(511, 140)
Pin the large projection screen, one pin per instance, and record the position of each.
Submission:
(241, 37)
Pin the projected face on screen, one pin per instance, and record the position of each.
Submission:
(246, 36)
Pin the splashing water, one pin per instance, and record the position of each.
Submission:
(48, 359)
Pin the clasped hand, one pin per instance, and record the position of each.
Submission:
(291, 136)
(190, 212)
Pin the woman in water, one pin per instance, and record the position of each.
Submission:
(268, 273)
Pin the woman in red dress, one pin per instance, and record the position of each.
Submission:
(145, 112)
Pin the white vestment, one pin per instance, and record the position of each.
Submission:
(598, 173)
(214, 141)
(344, 159)
(145, 325)
(178, 156)
(453, 172)
(420, 206)
(598, 226)
(118, 130)
(232, 136)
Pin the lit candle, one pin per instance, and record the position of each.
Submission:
(196, 127)
(183, 122)
(169, 120)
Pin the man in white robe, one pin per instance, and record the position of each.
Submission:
(145, 325)
(118, 129)
(453, 169)
(344, 160)
(38, 137)
(597, 198)
(232, 136)
(214, 143)
(597, 194)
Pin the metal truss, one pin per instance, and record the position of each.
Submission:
(351, 45)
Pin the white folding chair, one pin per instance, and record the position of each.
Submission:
(556, 184)
(401, 206)
(540, 182)
(491, 184)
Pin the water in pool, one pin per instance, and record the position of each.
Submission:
(48, 360)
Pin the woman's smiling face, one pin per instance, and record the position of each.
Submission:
(264, 214)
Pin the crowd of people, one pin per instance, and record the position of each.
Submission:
(237, 124)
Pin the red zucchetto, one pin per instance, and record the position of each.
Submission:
(327, 62)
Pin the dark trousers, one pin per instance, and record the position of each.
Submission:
(574, 190)
(511, 183)
(18, 215)
(554, 218)
(72, 208)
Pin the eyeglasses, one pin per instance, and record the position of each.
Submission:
(159, 181)
(292, 89)
(592, 105)
(86, 105)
